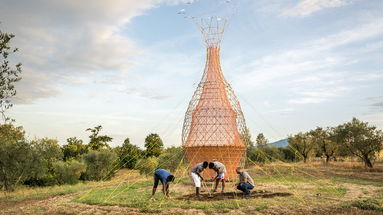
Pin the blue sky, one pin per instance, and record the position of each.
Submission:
(132, 66)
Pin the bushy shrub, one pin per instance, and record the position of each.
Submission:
(99, 165)
(147, 166)
(46, 151)
(289, 155)
(18, 159)
(368, 204)
(171, 159)
(68, 172)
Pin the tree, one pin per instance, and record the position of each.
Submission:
(100, 165)
(46, 152)
(17, 158)
(261, 140)
(96, 141)
(324, 141)
(9, 75)
(361, 139)
(289, 155)
(246, 138)
(249, 144)
(49, 150)
(302, 144)
(171, 159)
(153, 145)
(68, 172)
(146, 166)
(128, 154)
(74, 149)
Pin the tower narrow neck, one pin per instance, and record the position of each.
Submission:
(213, 65)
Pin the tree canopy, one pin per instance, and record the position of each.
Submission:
(302, 144)
(98, 142)
(361, 139)
(128, 154)
(153, 145)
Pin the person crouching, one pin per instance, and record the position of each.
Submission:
(246, 183)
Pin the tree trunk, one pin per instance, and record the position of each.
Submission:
(304, 159)
(367, 162)
(327, 158)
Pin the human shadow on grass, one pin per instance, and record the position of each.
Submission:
(232, 195)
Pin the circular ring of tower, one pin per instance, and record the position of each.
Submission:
(214, 122)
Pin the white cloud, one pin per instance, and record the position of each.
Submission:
(146, 93)
(313, 66)
(308, 7)
(317, 96)
(61, 41)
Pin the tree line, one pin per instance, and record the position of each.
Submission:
(43, 162)
(351, 139)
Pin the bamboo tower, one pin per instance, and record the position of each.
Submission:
(214, 122)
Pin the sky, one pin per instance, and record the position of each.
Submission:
(132, 65)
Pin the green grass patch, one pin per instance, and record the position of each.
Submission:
(138, 195)
(41, 193)
(356, 181)
(259, 208)
(368, 204)
(335, 191)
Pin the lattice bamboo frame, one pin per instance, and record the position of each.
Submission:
(214, 122)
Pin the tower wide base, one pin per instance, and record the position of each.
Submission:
(230, 156)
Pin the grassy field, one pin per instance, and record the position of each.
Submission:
(281, 188)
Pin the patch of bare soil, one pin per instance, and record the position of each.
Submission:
(356, 191)
(232, 195)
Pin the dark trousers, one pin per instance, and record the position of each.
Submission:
(156, 180)
(245, 187)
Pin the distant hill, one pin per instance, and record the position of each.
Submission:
(279, 143)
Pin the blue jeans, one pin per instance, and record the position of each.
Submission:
(245, 187)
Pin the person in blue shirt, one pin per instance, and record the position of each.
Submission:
(165, 177)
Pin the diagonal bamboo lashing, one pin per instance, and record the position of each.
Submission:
(214, 121)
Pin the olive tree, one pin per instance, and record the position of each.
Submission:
(302, 144)
(324, 141)
(361, 139)
(100, 165)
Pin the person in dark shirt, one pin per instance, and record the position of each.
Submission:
(165, 177)
(197, 178)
